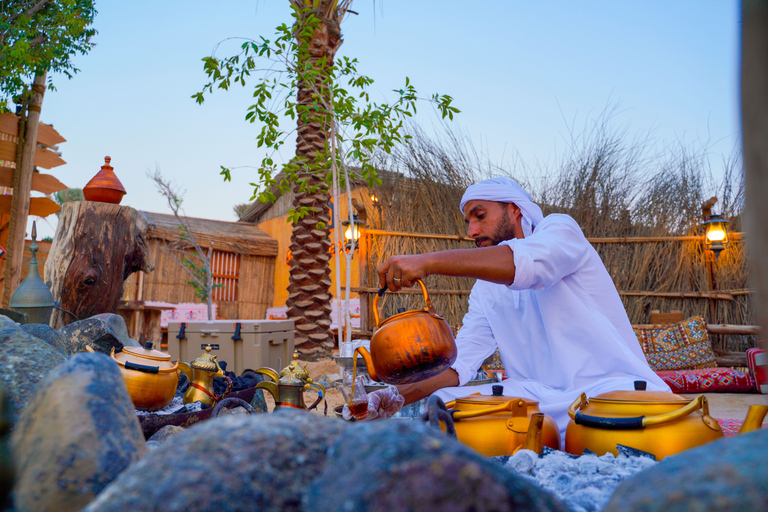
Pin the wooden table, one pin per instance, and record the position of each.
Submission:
(143, 320)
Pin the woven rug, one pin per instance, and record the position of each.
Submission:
(731, 427)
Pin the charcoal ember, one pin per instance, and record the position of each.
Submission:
(183, 384)
(245, 381)
(546, 450)
(628, 451)
(220, 386)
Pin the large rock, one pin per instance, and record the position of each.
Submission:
(396, 465)
(24, 361)
(725, 475)
(76, 435)
(231, 463)
(46, 333)
(102, 332)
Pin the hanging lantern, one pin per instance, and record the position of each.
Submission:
(352, 232)
(716, 234)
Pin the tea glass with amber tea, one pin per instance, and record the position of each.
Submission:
(358, 405)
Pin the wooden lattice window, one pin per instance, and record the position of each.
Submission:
(226, 270)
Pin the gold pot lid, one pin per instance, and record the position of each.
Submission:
(206, 361)
(145, 356)
(294, 374)
(639, 395)
(496, 398)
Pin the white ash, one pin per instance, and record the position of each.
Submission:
(176, 404)
(584, 483)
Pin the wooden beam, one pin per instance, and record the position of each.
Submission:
(613, 240)
(38, 206)
(679, 295)
(44, 183)
(44, 158)
(737, 330)
(46, 134)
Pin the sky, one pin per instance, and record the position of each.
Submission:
(524, 74)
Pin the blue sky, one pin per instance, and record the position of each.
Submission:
(522, 73)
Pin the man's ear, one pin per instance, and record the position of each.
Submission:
(514, 211)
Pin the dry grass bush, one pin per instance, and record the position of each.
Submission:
(612, 184)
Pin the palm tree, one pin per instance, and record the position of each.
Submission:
(309, 299)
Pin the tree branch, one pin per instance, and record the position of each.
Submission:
(34, 10)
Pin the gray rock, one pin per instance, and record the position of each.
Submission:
(725, 475)
(95, 332)
(77, 434)
(163, 435)
(231, 463)
(117, 327)
(401, 465)
(46, 333)
(24, 361)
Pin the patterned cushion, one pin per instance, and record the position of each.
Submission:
(679, 346)
(708, 380)
(493, 367)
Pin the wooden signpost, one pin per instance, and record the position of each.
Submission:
(14, 209)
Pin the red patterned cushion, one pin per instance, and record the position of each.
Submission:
(678, 346)
(708, 380)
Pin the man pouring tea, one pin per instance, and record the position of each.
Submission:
(542, 297)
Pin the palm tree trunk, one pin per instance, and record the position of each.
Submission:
(309, 298)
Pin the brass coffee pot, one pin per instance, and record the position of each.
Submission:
(201, 373)
(288, 388)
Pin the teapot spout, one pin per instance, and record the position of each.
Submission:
(368, 362)
(534, 438)
(754, 419)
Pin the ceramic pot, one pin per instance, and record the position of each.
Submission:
(104, 187)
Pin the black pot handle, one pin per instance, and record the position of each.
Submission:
(142, 368)
(437, 412)
(231, 403)
(634, 423)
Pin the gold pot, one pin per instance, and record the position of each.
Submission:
(409, 346)
(652, 421)
(288, 388)
(500, 425)
(150, 376)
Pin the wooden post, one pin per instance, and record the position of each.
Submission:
(754, 118)
(95, 248)
(22, 186)
(362, 274)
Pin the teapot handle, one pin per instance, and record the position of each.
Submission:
(430, 308)
(437, 412)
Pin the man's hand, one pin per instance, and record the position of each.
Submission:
(403, 271)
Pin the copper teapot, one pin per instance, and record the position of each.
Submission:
(201, 373)
(288, 388)
(410, 346)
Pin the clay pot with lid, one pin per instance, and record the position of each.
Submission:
(410, 346)
(104, 187)
(150, 376)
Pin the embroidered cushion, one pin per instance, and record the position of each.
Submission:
(679, 346)
(708, 380)
(493, 367)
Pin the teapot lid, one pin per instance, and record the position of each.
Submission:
(294, 374)
(206, 361)
(640, 395)
(496, 398)
(144, 355)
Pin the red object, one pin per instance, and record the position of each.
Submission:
(2, 252)
(708, 380)
(757, 361)
(104, 187)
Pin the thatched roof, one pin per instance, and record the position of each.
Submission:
(237, 237)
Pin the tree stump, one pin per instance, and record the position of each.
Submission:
(95, 248)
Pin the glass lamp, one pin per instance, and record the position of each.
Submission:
(716, 234)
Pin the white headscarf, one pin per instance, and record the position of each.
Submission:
(505, 190)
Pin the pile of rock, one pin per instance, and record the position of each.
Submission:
(77, 445)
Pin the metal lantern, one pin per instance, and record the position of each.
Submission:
(352, 232)
(33, 298)
(716, 234)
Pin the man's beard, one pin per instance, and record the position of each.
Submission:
(505, 230)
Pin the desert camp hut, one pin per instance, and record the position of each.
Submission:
(243, 262)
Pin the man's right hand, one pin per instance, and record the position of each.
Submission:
(402, 271)
(418, 390)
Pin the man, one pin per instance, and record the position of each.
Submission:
(542, 296)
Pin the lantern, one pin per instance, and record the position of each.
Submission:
(352, 232)
(716, 234)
